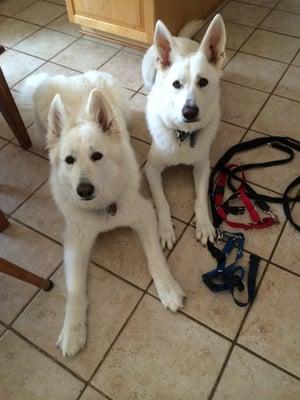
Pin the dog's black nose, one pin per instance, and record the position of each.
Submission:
(190, 112)
(85, 190)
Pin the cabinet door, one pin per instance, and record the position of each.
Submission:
(131, 18)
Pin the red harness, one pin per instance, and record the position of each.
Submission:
(257, 221)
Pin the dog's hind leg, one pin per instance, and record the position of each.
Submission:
(169, 291)
(77, 248)
(204, 229)
(165, 226)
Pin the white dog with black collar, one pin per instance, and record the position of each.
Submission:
(183, 114)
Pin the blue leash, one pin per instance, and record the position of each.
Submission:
(230, 277)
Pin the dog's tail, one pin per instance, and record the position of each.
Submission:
(191, 28)
(29, 88)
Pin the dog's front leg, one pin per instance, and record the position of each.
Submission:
(204, 229)
(77, 248)
(169, 291)
(165, 227)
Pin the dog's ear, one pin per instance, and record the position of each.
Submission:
(100, 111)
(214, 41)
(56, 120)
(164, 44)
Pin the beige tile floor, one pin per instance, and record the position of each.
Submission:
(136, 349)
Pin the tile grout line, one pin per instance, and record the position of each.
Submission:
(262, 6)
(266, 360)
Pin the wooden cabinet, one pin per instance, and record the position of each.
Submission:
(132, 22)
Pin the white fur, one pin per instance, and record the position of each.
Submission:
(82, 115)
(170, 59)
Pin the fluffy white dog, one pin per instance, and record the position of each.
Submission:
(95, 183)
(183, 114)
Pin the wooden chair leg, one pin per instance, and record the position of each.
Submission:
(11, 113)
(26, 276)
(3, 222)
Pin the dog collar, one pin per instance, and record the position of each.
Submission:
(182, 135)
(112, 209)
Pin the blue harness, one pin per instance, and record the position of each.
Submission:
(230, 277)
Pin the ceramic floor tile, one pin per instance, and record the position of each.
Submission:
(63, 25)
(2, 329)
(138, 125)
(178, 186)
(10, 7)
(296, 61)
(41, 213)
(45, 43)
(41, 13)
(22, 174)
(103, 41)
(51, 69)
(37, 139)
(236, 35)
(227, 136)
(239, 105)
(272, 326)
(256, 379)
(274, 178)
(26, 374)
(2, 143)
(243, 13)
(110, 303)
(91, 394)
(12, 31)
(255, 72)
(16, 66)
(121, 252)
(127, 68)
(262, 3)
(188, 262)
(32, 251)
(292, 6)
(279, 117)
(141, 150)
(171, 370)
(272, 45)
(94, 55)
(5, 131)
(289, 86)
(287, 251)
(282, 22)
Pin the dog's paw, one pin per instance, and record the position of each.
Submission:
(167, 235)
(205, 231)
(171, 295)
(72, 339)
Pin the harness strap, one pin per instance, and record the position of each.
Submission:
(257, 221)
(231, 277)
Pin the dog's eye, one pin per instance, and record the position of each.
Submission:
(177, 84)
(203, 82)
(70, 160)
(96, 156)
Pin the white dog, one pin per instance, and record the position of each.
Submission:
(95, 183)
(183, 114)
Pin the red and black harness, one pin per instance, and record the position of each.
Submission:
(225, 173)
